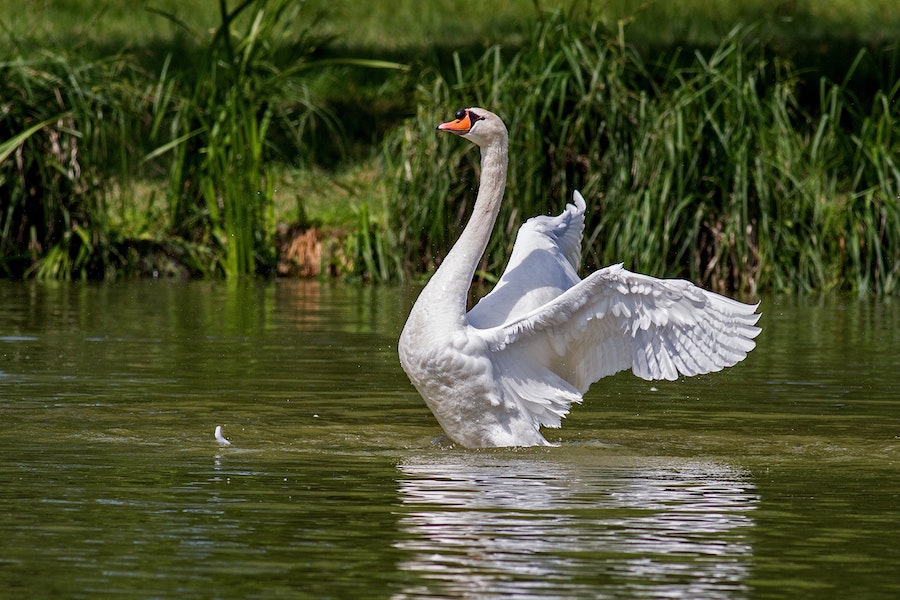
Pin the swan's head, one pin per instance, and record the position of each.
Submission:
(477, 125)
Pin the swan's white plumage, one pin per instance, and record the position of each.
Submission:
(529, 349)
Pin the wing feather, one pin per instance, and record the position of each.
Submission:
(615, 320)
(543, 264)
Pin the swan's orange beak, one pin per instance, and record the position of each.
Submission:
(460, 126)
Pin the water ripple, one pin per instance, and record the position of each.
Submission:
(537, 529)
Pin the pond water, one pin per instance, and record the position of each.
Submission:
(779, 478)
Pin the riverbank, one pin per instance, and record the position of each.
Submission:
(746, 148)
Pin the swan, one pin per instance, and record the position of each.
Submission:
(519, 359)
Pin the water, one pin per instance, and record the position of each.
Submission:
(775, 479)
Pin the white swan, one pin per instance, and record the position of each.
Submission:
(493, 376)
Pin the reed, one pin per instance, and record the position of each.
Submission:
(55, 163)
(75, 133)
(242, 109)
(79, 134)
(217, 117)
(729, 165)
(705, 167)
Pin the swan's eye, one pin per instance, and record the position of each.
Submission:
(474, 118)
(461, 114)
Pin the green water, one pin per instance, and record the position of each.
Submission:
(779, 478)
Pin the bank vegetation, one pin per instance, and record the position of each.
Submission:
(746, 163)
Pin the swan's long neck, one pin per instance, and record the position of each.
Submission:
(451, 282)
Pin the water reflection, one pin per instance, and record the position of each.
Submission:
(488, 525)
(111, 480)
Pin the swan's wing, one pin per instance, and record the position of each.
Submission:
(615, 320)
(535, 389)
(543, 264)
(566, 229)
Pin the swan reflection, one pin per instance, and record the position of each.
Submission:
(490, 525)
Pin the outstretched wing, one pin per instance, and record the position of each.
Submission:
(615, 320)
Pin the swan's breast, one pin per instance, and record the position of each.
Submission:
(445, 360)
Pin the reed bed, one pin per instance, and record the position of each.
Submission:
(57, 161)
(76, 134)
(706, 167)
(727, 165)
(216, 120)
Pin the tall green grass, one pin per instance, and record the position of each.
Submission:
(219, 116)
(728, 165)
(226, 108)
(57, 160)
(242, 109)
(74, 133)
(705, 166)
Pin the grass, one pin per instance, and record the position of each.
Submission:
(760, 156)
(221, 184)
(712, 158)
(217, 119)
